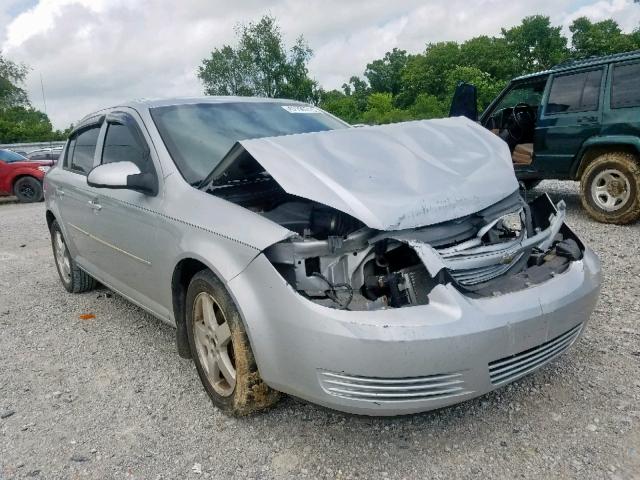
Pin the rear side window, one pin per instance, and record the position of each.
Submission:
(577, 92)
(625, 89)
(121, 144)
(82, 149)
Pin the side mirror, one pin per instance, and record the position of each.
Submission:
(122, 175)
(465, 102)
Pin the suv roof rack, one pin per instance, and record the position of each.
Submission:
(595, 60)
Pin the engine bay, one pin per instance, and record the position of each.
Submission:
(336, 261)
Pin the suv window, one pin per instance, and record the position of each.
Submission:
(576, 92)
(81, 150)
(625, 89)
(529, 93)
(121, 144)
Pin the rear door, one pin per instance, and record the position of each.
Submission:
(571, 113)
(75, 196)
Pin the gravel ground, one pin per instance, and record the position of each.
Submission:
(109, 397)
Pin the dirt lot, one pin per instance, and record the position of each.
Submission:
(109, 398)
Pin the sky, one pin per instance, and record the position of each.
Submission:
(92, 54)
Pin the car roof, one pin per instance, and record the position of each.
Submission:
(582, 62)
(147, 103)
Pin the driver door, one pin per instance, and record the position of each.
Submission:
(571, 113)
(126, 223)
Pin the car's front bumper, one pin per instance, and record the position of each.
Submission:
(398, 361)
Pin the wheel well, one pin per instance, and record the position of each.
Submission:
(594, 152)
(182, 275)
(50, 218)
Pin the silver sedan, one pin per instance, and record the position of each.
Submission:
(377, 270)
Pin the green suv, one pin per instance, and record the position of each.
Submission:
(578, 121)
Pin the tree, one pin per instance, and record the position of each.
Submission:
(600, 38)
(21, 124)
(380, 109)
(384, 74)
(11, 76)
(535, 44)
(259, 65)
(359, 90)
(341, 105)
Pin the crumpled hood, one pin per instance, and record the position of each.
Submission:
(393, 177)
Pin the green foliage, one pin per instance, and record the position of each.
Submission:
(600, 38)
(259, 65)
(536, 44)
(385, 74)
(404, 86)
(11, 75)
(19, 122)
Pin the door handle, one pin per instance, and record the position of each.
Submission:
(591, 119)
(95, 205)
(60, 192)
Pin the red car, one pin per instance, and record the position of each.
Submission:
(22, 177)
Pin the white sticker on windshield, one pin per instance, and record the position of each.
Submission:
(301, 109)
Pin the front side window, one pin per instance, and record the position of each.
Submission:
(84, 148)
(625, 89)
(121, 144)
(576, 92)
(198, 136)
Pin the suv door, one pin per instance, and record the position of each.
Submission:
(571, 113)
(75, 196)
(126, 223)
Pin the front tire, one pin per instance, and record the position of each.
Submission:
(610, 187)
(28, 190)
(72, 277)
(221, 351)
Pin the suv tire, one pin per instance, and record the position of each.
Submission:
(28, 190)
(72, 277)
(221, 351)
(610, 188)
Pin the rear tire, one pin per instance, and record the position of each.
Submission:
(610, 187)
(221, 351)
(28, 190)
(72, 277)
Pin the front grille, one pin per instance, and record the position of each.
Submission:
(513, 367)
(376, 389)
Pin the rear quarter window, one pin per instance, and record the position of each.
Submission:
(625, 88)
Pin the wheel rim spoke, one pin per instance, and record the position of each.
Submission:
(226, 368)
(212, 338)
(223, 335)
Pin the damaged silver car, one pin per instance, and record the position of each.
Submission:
(377, 270)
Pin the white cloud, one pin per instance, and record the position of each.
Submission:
(96, 53)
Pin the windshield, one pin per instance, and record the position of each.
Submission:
(529, 93)
(198, 136)
(9, 156)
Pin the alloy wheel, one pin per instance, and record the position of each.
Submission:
(62, 256)
(212, 338)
